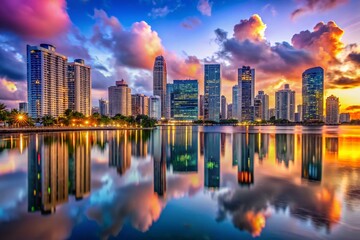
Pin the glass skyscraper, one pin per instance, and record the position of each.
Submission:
(184, 100)
(313, 94)
(246, 94)
(235, 100)
(169, 92)
(159, 81)
(212, 90)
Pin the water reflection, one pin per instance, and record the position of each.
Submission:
(311, 157)
(253, 182)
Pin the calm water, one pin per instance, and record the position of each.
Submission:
(182, 183)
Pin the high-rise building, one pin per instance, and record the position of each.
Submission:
(23, 107)
(120, 99)
(159, 81)
(285, 104)
(230, 111)
(79, 86)
(344, 117)
(223, 107)
(184, 100)
(103, 107)
(46, 81)
(169, 92)
(264, 105)
(201, 107)
(235, 101)
(332, 110)
(272, 112)
(313, 94)
(258, 110)
(299, 113)
(139, 104)
(155, 107)
(246, 94)
(212, 90)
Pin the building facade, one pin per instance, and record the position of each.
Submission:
(46, 81)
(120, 99)
(264, 105)
(332, 110)
(184, 100)
(103, 107)
(235, 101)
(79, 85)
(212, 92)
(23, 107)
(169, 91)
(258, 113)
(344, 117)
(201, 107)
(230, 111)
(223, 107)
(159, 82)
(155, 107)
(285, 104)
(139, 104)
(313, 94)
(246, 94)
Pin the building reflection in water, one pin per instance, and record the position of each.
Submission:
(262, 145)
(246, 162)
(120, 151)
(285, 145)
(47, 172)
(183, 150)
(311, 157)
(158, 149)
(79, 164)
(58, 165)
(139, 143)
(212, 160)
(332, 144)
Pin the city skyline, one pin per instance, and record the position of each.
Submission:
(121, 45)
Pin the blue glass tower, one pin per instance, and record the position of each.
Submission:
(212, 89)
(246, 94)
(313, 94)
(184, 100)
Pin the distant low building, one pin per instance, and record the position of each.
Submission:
(103, 107)
(155, 107)
(344, 117)
(95, 110)
(23, 107)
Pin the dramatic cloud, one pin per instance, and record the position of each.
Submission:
(354, 57)
(191, 22)
(250, 29)
(324, 41)
(345, 82)
(353, 107)
(34, 18)
(315, 5)
(136, 47)
(204, 6)
(11, 67)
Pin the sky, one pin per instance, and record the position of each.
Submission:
(120, 39)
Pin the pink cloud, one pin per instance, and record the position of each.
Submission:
(34, 18)
(204, 6)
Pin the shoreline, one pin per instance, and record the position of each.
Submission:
(65, 129)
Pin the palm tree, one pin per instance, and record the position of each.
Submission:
(48, 120)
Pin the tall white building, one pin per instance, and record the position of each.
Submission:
(264, 98)
(332, 110)
(155, 107)
(120, 99)
(46, 81)
(285, 104)
(79, 85)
